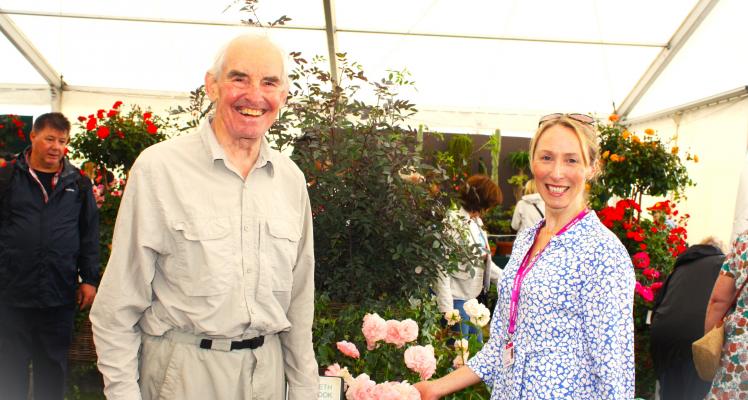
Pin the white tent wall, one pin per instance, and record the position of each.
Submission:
(25, 99)
(718, 135)
(475, 122)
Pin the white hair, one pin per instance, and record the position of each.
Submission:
(220, 60)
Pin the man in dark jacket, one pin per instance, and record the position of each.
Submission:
(678, 320)
(49, 238)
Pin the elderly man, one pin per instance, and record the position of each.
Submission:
(212, 267)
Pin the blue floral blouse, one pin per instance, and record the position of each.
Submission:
(574, 335)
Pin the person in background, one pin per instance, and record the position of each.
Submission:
(49, 260)
(563, 326)
(478, 195)
(529, 210)
(731, 379)
(678, 319)
(209, 292)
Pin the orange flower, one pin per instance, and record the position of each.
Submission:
(606, 153)
(636, 139)
(674, 150)
(626, 134)
(621, 158)
(613, 117)
(649, 131)
(695, 158)
(614, 157)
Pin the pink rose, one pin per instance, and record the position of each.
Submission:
(348, 348)
(385, 391)
(374, 329)
(409, 330)
(395, 391)
(360, 388)
(421, 359)
(393, 334)
(333, 370)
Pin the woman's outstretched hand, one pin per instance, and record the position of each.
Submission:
(426, 389)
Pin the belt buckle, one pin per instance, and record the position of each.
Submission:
(221, 344)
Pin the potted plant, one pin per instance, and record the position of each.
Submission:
(634, 165)
(379, 215)
(520, 162)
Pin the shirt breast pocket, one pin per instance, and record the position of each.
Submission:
(206, 252)
(282, 242)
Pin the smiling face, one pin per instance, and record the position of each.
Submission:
(560, 171)
(249, 90)
(47, 148)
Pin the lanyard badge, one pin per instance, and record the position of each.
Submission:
(524, 269)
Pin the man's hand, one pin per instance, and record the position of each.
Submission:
(85, 295)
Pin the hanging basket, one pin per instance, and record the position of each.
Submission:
(82, 348)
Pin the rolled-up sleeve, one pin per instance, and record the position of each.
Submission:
(298, 353)
(125, 291)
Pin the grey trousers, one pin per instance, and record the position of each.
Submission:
(173, 366)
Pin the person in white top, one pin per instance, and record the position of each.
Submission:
(478, 195)
(530, 209)
(209, 291)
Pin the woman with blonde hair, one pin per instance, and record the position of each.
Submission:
(563, 326)
(530, 209)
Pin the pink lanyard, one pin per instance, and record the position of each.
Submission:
(525, 267)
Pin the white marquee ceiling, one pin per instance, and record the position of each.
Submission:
(498, 56)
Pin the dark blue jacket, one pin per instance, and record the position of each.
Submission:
(45, 247)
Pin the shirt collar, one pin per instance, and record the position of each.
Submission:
(27, 154)
(265, 158)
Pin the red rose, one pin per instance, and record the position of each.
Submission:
(81, 118)
(147, 115)
(642, 246)
(91, 124)
(100, 114)
(651, 273)
(120, 134)
(640, 259)
(117, 104)
(152, 129)
(656, 286)
(102, 132)
(111, 113)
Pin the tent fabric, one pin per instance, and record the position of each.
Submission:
(580, 55)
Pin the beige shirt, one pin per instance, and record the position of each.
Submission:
(466, 282)
(198, 249)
